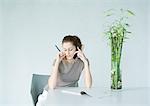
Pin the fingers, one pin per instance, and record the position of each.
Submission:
(76, 52)
(60, 56)
(61, 53)
(78, 49)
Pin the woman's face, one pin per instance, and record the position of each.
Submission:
(69, 49)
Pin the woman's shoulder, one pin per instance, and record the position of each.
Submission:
(81, 62)
(78, 60)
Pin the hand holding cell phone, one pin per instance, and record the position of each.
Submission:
(80, 54)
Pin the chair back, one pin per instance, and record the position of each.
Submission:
(37, 85)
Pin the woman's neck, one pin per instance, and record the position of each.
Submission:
(70, 60)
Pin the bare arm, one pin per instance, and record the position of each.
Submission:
(87, 74)
(53, 78)
(52, 82)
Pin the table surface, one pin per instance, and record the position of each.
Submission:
(100, 96)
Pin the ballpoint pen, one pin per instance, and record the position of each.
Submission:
(84, 93)
(76, 93)
(57, 47)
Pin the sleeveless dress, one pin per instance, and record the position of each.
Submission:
(68, 76)
(69, 73)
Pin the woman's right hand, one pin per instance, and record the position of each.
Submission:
(60, 56)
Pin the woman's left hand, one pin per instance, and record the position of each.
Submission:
(81, 55)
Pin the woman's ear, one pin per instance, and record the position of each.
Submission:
(82, 47)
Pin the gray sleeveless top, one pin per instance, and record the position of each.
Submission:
(69, 73)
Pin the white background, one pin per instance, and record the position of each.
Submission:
(29, 29)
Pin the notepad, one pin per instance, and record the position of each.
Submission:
(71, 92)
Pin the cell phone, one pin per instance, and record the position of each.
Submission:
(75, 56)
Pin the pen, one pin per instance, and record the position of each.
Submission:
(84, 93)
(57, 47)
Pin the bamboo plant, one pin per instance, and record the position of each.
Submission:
(117, 32)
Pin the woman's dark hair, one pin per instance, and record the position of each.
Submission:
(74, 39)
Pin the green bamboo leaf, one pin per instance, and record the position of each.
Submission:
(130, 12)
(109, 12)
(128, 32)
(107, 15)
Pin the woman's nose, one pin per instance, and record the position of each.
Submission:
(67, 52)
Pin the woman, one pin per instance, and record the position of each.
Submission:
(68, 65)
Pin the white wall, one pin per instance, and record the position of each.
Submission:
(29, 29)
(149, 43)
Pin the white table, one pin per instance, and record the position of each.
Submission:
(100, 97)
